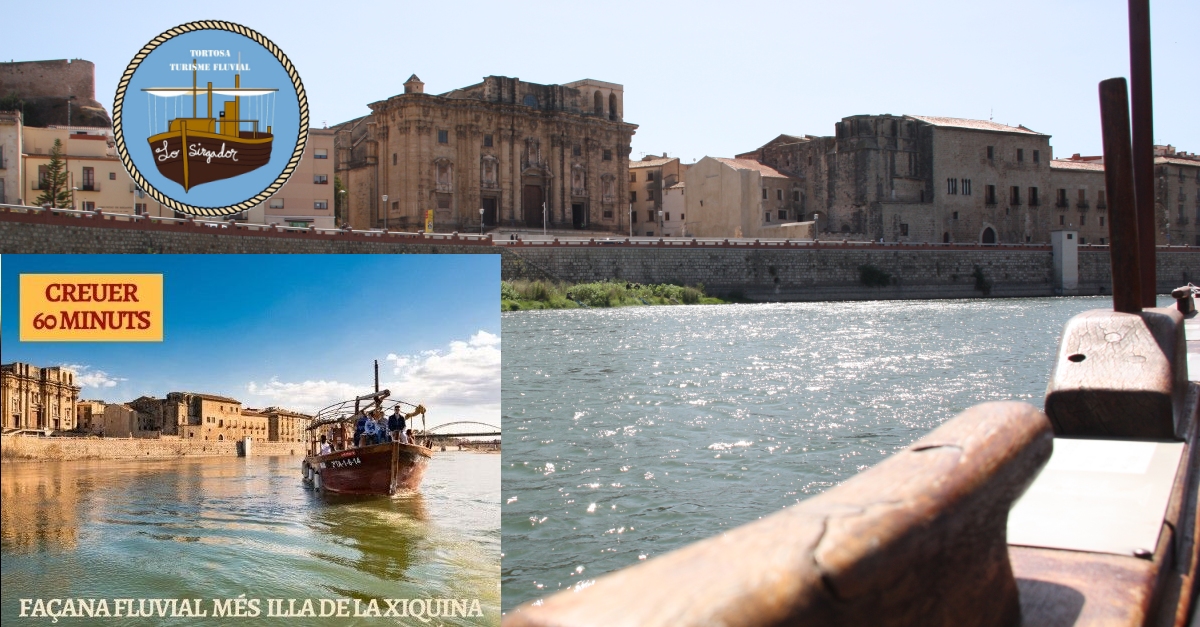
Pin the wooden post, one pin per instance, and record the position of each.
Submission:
(917, 540)
(1118, 176)
(1142, 112)
(1120, 373)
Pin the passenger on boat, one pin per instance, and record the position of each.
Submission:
(382, 430)
(325, 448)
(409, 437)
(396, 426)
(360, 427)
(370, 432)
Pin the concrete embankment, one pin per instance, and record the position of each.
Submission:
(27, 448)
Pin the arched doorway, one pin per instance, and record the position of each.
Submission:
(988, 236)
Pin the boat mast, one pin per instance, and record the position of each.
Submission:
(193, 88)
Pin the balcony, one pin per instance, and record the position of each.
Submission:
(1062, 203)
(1083, 204)
(89, 187)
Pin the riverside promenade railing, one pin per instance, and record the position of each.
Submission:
(100, 218)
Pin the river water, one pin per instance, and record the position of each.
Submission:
(217, 528)
(631, 432)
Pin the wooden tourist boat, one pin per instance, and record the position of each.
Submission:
(199, 150)
(367, 468)
(1085, 514)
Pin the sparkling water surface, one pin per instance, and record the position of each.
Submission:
(631, 432)
(212, 528)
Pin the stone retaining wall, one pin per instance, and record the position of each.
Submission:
(806, 273)
(23, 447)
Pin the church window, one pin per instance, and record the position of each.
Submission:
(576, 150)
(443, 137)
(608, 155)
(612, 107)
(598, 103)
(487, 141)
(393, 158)
(904, 230)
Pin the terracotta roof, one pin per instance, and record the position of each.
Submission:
(747, 164)
(1068, 164)
(979, 125)
(214, 397)
(1178, 161)
(651, 163)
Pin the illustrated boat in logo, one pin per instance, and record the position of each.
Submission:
(199, 150)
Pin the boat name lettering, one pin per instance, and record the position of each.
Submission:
(342, 463)
(165, 153)
(198, 150)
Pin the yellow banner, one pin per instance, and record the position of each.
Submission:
(429, 221)
(91, 308)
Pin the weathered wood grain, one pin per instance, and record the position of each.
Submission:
(1120, 375)
(917, 540)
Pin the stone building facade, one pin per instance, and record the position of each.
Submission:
(936, 179)
(38, 398)
(1177, 196)
(500, 152)
(89, 415)
(740, 198)
(209, 417)
(286, 426)
(648, 181)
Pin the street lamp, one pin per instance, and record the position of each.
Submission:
(345, 220)
(660, 223)
(385, 212)
(481, 220)
(630, 219)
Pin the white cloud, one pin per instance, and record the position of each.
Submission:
(86, 377)
(307, 396)
(464, 376)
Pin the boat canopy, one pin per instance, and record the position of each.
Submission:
(170, 92)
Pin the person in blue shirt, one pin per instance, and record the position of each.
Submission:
(360, 427)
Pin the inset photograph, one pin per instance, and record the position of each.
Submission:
(293, 439)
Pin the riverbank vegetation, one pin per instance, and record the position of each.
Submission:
(520, 295)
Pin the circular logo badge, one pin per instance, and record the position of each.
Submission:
(210, 118)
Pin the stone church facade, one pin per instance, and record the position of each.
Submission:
(517, 151)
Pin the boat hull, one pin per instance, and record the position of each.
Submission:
(210, 156)
(378, 469)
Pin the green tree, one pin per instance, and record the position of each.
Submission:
(54, 184)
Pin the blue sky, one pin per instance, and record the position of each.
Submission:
(298, 331)
(701, 78)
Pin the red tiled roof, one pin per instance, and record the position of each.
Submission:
(1177, 161)
(1069, 164)
(651, 163)
(979, 125)
(747, 164)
